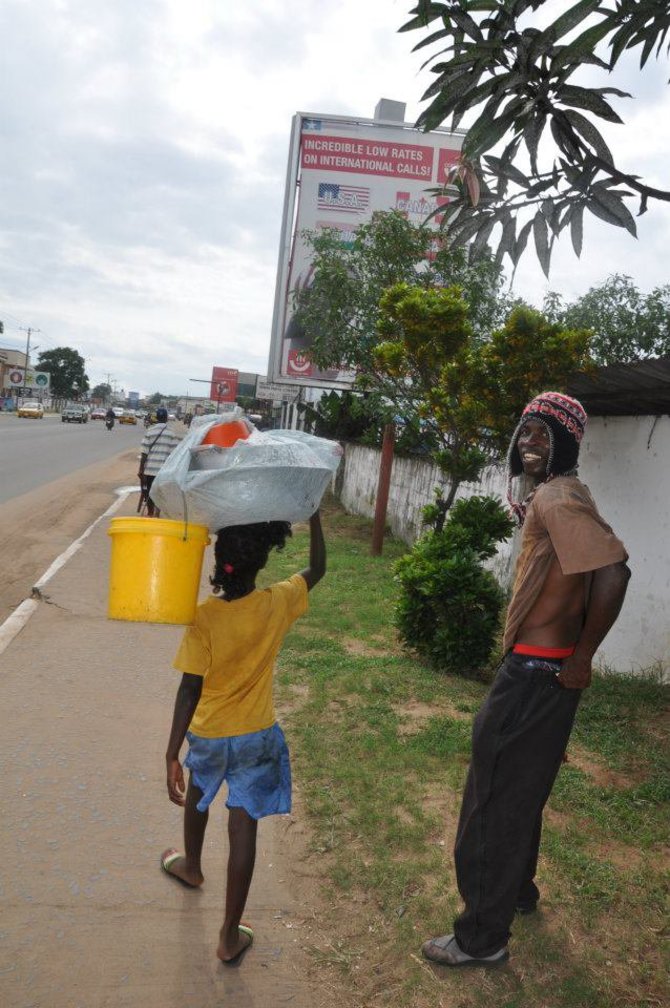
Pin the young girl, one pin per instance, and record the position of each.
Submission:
(224, 707)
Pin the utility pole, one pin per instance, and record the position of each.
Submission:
(29, 331)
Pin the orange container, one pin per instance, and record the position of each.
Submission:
(225, 435)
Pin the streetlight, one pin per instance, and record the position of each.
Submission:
(208, 381)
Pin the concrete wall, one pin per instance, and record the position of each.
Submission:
(625, 462)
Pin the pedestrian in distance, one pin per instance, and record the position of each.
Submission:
(571, 579)
(224, 707)
(158, 443)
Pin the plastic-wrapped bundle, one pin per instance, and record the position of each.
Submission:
(278, 475)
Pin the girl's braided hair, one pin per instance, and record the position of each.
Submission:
(240, 551)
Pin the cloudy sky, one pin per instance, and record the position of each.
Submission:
(144, 151)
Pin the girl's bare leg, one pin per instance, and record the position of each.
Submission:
(242, 830)
(188, 868)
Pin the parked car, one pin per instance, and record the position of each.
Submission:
(98, 413)
(74, 414)
(31, 408)
(128, 417)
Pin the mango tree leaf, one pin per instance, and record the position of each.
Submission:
(532, 135)
(541, 237)
(500, 167)
(483, 235)
(486, 132)
(507, 239)
(577, 97)
(612, 202)
(521, 241)
(425, 13)
(577, 228)
(588, 131)
(570, 19)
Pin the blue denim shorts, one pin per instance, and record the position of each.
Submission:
(255, 767)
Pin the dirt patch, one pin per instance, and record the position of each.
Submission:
(598, 774)
(294, 697)
(658, 726)
(38, 526)
(413, 714)
(364, 649)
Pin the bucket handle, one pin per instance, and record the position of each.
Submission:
(185, 502)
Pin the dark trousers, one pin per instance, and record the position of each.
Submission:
(518, 740)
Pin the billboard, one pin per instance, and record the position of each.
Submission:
(223, 386)
(276, 393)
(31, 380)
(340, 171)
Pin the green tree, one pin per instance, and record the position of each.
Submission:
(627, 325)
(515, 81)
(347, 416)
(156, 399)
(102, 391)
(66, 367)
(339, 311)
(467, 393)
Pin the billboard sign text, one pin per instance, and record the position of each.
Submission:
(346, 169)
(272, 392)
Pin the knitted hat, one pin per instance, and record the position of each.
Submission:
(565, 420)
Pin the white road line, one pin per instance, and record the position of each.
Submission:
(18, 619)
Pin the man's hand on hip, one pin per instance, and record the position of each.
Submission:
(575, 672)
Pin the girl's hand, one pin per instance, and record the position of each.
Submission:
(175, 782)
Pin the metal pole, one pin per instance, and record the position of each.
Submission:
(29, 331)
(383, 484)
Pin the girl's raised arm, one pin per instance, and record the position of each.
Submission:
(317, 553)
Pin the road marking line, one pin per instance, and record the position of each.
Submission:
(16, 622)
(18, 619)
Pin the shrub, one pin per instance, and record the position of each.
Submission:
(449, 606)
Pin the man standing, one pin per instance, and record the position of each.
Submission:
(571, 580)
(158, 442)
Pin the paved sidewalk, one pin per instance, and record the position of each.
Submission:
(89, 920)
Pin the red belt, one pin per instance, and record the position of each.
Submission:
(543, 652)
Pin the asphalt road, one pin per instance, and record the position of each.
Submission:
(36, 452)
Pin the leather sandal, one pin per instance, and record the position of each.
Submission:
(447, 952)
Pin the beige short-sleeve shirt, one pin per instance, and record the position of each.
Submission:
(562, 522)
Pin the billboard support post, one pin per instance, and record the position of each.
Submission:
(383, 486)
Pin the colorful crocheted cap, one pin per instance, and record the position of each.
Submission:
(565, 419)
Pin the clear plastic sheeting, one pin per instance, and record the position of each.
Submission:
(278, 475)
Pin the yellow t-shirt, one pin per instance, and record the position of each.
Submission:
(233, 646)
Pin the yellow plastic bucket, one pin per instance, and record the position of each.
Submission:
(155, 569)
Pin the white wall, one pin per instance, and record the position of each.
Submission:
(625, 462)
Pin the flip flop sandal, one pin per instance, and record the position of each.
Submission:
(168, 858)
(245, 929)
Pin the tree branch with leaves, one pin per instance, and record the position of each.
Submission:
(519, 83)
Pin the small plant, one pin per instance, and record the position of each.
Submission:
(450, 605)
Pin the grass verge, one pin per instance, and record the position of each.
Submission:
(380, 747)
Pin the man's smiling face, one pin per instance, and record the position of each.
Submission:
(534, 446)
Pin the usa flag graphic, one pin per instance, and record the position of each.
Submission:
(342, 198)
